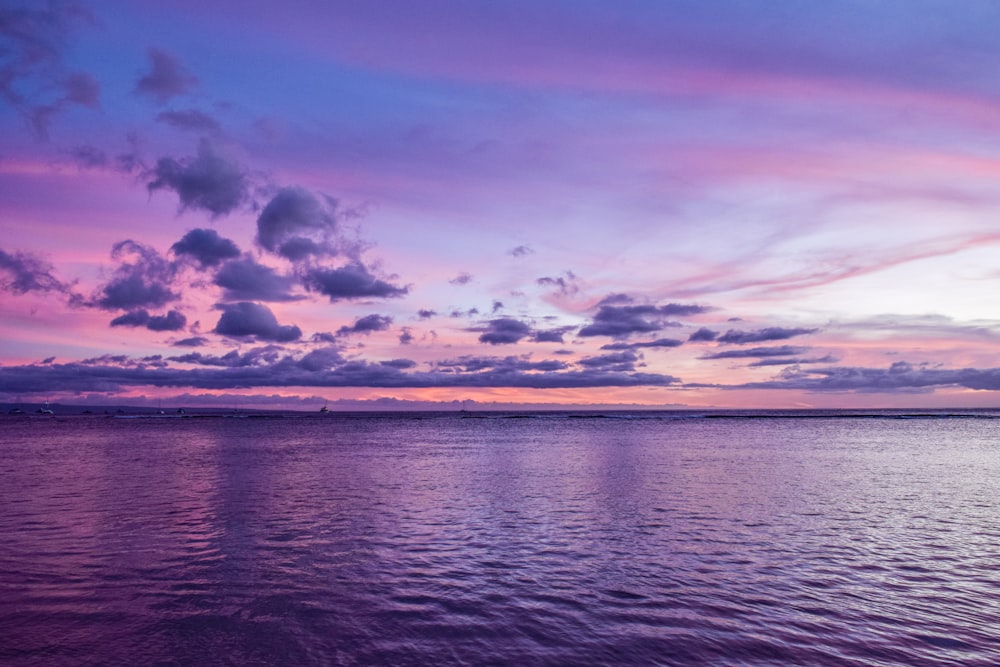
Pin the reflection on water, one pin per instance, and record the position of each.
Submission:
(397, 540)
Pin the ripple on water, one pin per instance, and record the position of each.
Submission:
(378, 540)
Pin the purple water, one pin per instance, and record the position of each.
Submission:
(397, 540)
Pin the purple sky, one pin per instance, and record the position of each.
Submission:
(735, 203)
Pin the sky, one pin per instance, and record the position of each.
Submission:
(663, 203)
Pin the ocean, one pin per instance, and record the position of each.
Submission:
(642, 538)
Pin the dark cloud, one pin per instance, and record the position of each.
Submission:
(497, 306)
(297, 225)
(565, 284)
(461, 279)
(135, 318)
(738, 337)
(366, 325)
(324, 337)
(246, 319)
(143, 282)
(551, 335)
(623, 321)
(683, 309)
(406, 336)
(504, 331)
(703, 335)
(245, 280)
(208, 181)
(194, 341)
(617, 361)
(349, 282)
(401, 364)
(172, 321)
(321, 359)
(265, 355)
(235, 370)
(426, 314)
(205, 246)
(520, 251)
(166, 77)
(754, 352)
(33, 77)
(22, 272)
(189, 119)
(659, 342)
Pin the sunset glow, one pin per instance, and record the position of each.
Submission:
(664, 204)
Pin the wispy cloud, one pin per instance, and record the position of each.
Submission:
(166, 77)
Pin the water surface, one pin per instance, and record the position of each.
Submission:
(549, 540)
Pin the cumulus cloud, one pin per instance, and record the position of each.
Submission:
(258, 356)
(297, 225)
(142, 280)
(739, 337)
(245, 280)
(246, 319)
(352, 281)
(22, 272)
(551, 335)
(171, 321)
(206, 247)
(520, 251)
(565, 284)
(504, 331)
(754, 352)
(621, 321)
(366, 325)
(166, 77)
(321, 359)
(189, 119)
(703, 335)
(324, 337)
(208, 181)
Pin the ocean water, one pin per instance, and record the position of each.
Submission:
(627, 539)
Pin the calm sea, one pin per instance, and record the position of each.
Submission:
(432, 539)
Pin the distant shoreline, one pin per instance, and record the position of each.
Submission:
(570, 412)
